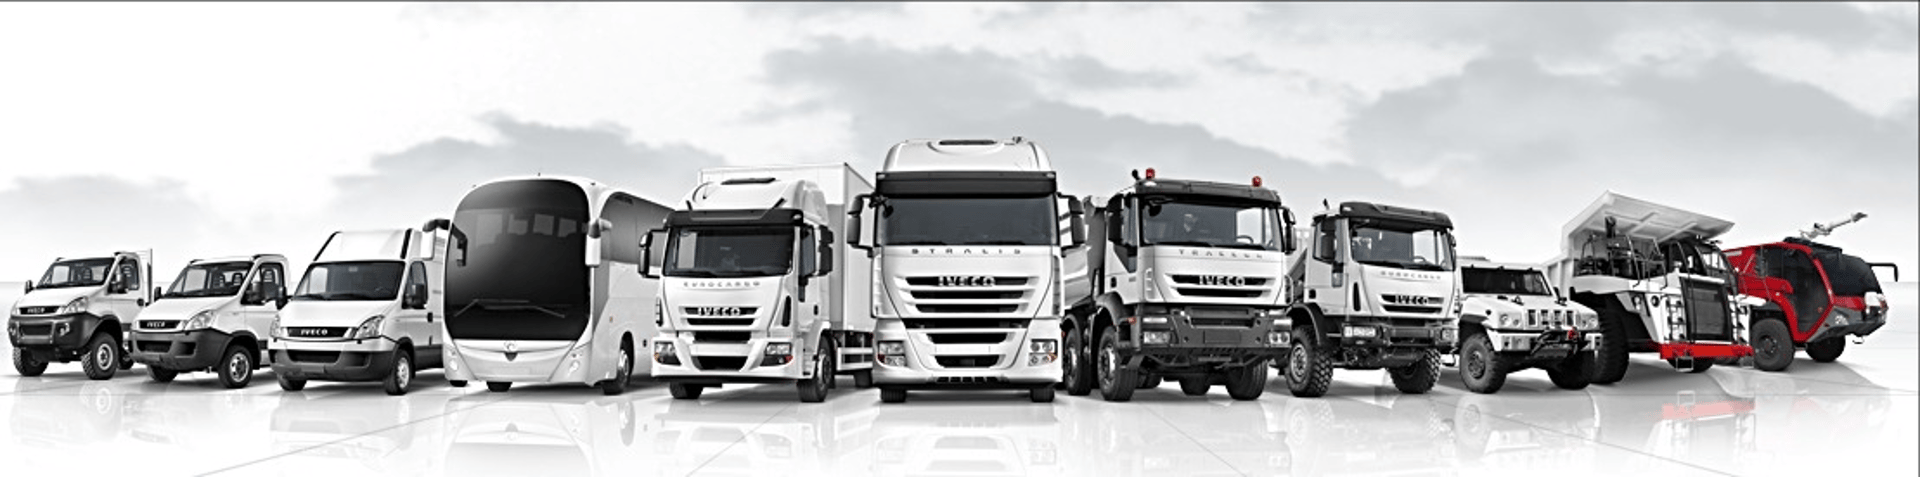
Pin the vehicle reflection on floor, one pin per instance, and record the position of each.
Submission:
(1385, 432)
(555, 430)
(737, 437)
(964, 434)
(356, 429)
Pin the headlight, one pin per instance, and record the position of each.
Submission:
(278, 331)
(1156, 337)
(199, 321)
(1509, 320)
(1154, 320)
(78, 305)
(780, 349)
(892, 353)
(1044, 346)
(369, 328)
(1042, 352)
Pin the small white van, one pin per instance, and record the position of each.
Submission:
(367, 309)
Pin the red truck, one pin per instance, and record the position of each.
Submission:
(1816, 296)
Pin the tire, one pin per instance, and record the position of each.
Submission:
(1481, 369)
(291, 384)
(1150, 381)
(1042, 394)
(161, 375)
(1610, 360)
(815, 389)
(499, 386)
(1419, 377)
(1076, 371)
(893, 395)
(1827, 350)
(622, 375)
(25, 364)
(235, 370)
(863, 379)
(1245, 383)
(1309, 369)
(1194, 386)
(685, 391)
(458, 383)
(102, 357)
(1575, 372)
(401, 377)
(1117, 382)
(1698, 366)
(1772, 345)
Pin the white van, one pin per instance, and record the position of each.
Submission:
(368, 309)
(215, 316)
(79, 312)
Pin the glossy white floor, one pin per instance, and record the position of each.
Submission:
(1857, 417)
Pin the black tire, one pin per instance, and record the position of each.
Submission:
(863, 379)
(685, 391)
(290, 384)
(1827, 350)
(1575, 372)
(401, 377)
(893, 395)
(25, 364)
(499, 386)
(1772, 345)
(622, 375)
(458, 383)
(1150, 381)
(1076, 371)
(1309, 369)
(815, 389)
(1042, 394)
(1419, 377)
(101, 357)
(1245, 383)
(235, 370)
(1117, 381)
(1195, 386)
(1610, 360)
(161, 375)
(1481, 369)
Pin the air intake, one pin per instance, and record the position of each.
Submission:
(967, 142)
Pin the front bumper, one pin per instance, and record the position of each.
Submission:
(57, 333)
(1543, 345)
(1394, 333)
(1177, 342)
(1842, 322)
(334, 360)
(711, 363)
(962, 365)
(179, 350)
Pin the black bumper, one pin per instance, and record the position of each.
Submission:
(180, 350)
(347, 366)
(1394, 333)
(1189, 345)
(1549, 346)
(43, 334)
(1859, 323)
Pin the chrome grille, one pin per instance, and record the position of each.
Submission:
(970, 294)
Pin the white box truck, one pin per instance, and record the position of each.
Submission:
(81, 311)
(367, 309)
(976, 254)
(215, 316)
(756, 288)
(545, 284)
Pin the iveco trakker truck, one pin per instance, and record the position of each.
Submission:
(368, 308)
(545, 284)
(755, 286)
(974, 260)
(215, 316)
(81, 311)
(1514, 319)
(1658, 281)
(1186, 286)
(1376, 288)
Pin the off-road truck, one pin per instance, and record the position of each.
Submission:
(1514, 319)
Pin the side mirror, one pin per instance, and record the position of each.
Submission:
(826, 252)
(854, 212)
(1896, 270)
(455, 239)
(646, 254)
(1287, 243)
(252, 295)
(156, 293)
(29, 287)
(416, 296)
(598, 227)
(1076, 222)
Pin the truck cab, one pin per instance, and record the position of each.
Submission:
(216, 316)
(1186, 285)
(1376, 288)
(80, 311)
(369, 308)
(1816, 296)
(1514, 319)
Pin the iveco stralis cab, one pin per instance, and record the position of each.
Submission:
(756, 287)
(80, 311)
(215, 316)
(971, 272)
(545, 284)
(368, 309)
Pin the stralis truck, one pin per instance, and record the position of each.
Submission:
(1186, 285)
(81, 311)
(1376, 288)
(1658, 281)
(545, 284)
(1514, 319)
(974, 261)
(369, 308)
(215, 316)
(756, 287)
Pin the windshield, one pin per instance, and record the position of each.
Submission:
(1407, 246)
(1849, 275)
(75, 273)
(969, 221)
(209, 279)
(1167, 221)
(730, 252)
(524, 274)
(350, 281)
(1504, 282)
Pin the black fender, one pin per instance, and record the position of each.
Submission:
(109, 324)
(1108, 313)
(1471, 323)
(248, 339)
(1310, 317)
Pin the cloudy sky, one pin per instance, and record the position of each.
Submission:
(204, 130)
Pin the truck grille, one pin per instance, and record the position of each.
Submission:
(967, 361)
(967, 338)
(159, 324)
(1220, 286)
(1416, 304)
(316, 331)
(935, 324)
(1549, 317)
(1220, 316)
(1423, 310)
(1707, 311)
(720, 363)
(154, 346)
(36, 330)
(722, 336)
(300, 356)
(970, 380)
(969, 294)
(37, 310)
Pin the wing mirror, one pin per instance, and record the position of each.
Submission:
(598, 227)
(826, 251)
(646, 252)
(854, 219)
(29, 287)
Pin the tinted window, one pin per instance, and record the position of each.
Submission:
(1504, 282)
(350, 281)
(736, 251)
(969, 221)
(525, 274)
(209, 279)
(1849, 275)
(631, 217)
(1401, 245)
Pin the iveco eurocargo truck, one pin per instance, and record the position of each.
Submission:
(80, 311)
(367, 309)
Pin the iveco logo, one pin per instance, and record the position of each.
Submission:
(966, 281)
(513, 351)
(1412, 300)
(1223, 281)
(309, 332)
(717, 311)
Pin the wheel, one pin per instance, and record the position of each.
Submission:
(622, 373)
(1575, 372)
(1042, 394)
(1697, 366)
(1150, 381)
(1827, 350)
(1610, 364)
(26, 364)
(1417, 378)
(1076, 372)
(236, 367)
(499, 386)
(1772, 346)
(863, 379)
(1194, 386)
(815, 389)
(1245, 383)
(290, 384)
(161, 375)
(458, 383)
(102, 358)
(893, 395)
(1481, 369)
(1117, 381)
(401, 377)
(684, 390)
(1309, 368)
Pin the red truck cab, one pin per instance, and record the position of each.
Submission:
(1816, 296)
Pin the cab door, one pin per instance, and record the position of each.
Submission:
(265, 292)
(1327, 275)
(415, 320)
(1123, 239)
(809, 297)
(125, 294)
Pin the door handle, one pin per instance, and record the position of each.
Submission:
(429, 317)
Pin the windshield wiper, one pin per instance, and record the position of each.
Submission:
(504, 304)
(1185, 243)
(997, 242)
(1247, 246)
(692, 273)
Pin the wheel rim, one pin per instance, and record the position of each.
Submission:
(1769, 347)
(237, 367)
(626, 362)
(1106, 361)
(1297, 363)
(403, 372)
(103, 356)
(1477, 363)
(1069, 363)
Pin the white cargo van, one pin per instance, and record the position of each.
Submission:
(80, 311)
(367, 309)
(215, 316)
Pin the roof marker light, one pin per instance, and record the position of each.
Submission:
(1256, 181)
(1149, 173)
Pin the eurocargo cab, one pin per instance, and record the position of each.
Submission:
(79, 312)
(215, 316)
(367, 309)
